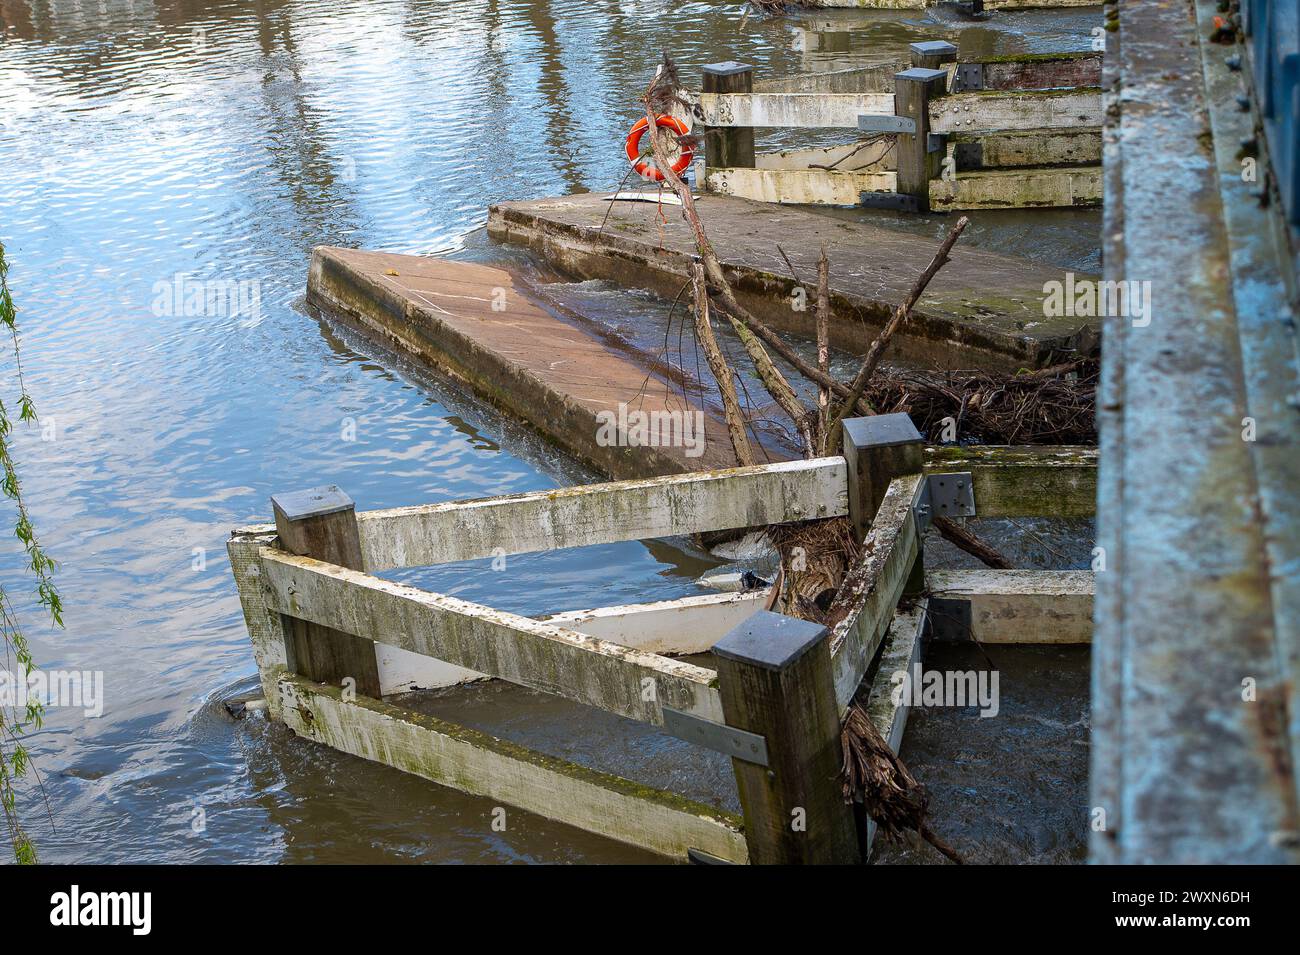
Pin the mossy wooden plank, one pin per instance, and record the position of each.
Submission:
(993, 111)
(889, 551)
(482, 765)
(1024, 480)
(521, 650)
(1018, 188)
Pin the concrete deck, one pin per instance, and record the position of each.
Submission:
(981, 310)
(520, 356)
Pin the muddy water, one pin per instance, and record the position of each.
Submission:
(140, 142)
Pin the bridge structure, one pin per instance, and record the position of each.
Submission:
(1197, 617)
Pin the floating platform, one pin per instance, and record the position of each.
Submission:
(477, 325)
(982, 310)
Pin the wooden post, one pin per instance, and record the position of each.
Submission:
(322, 523)
(878, 449)
(913, 90)
(728, 147)
(774, 677)
(932, 54)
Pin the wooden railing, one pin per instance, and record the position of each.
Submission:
(323, 626)
(1016, 131)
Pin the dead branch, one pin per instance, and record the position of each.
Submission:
(721, 370)
(877, 349)
(713, 266)
(823, 345)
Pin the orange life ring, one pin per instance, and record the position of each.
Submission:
(645, 166)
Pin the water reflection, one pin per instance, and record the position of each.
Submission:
(221, 141)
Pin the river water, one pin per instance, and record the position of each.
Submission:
(142, 142)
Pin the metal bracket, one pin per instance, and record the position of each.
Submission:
(739, 744)
(968, 78)
(885, 123)
(950, 620)
(935, 142)
(969, 155)
(889, 200)
(944, 495)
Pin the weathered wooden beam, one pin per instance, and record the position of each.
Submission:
(899, 652)
(685, 625)
(774, 674)
(603, 513)
(1024, 480)
(997, 110)
(518, 649)
(801, 110)
(890, 553)
(1030, 147)
(858, 79)
(819, 187)
(728, 147)
(1018, 188)
(1041, 71)
(266, 630)
(483, 765)
(846, 157)
(321, 523)
(1011, 606)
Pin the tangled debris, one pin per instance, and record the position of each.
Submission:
(1054, 405)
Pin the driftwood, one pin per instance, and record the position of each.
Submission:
(722, 373)
(967, 540)
(873, 774)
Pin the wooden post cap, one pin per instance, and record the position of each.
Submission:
(727, 68)
(769, 640)
(920, 74)
(880, 431)
(933, 48)
(316, 502)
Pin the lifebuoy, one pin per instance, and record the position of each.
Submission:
(646, 166)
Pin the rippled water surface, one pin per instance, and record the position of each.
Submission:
(222, 140)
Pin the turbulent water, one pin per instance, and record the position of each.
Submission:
(144, 145)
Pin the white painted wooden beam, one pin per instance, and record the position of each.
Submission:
(801, 110)
(528, 652)
(809, 187)
(603, 513)
(1018, 606)
(483, 765)
(685, 625)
